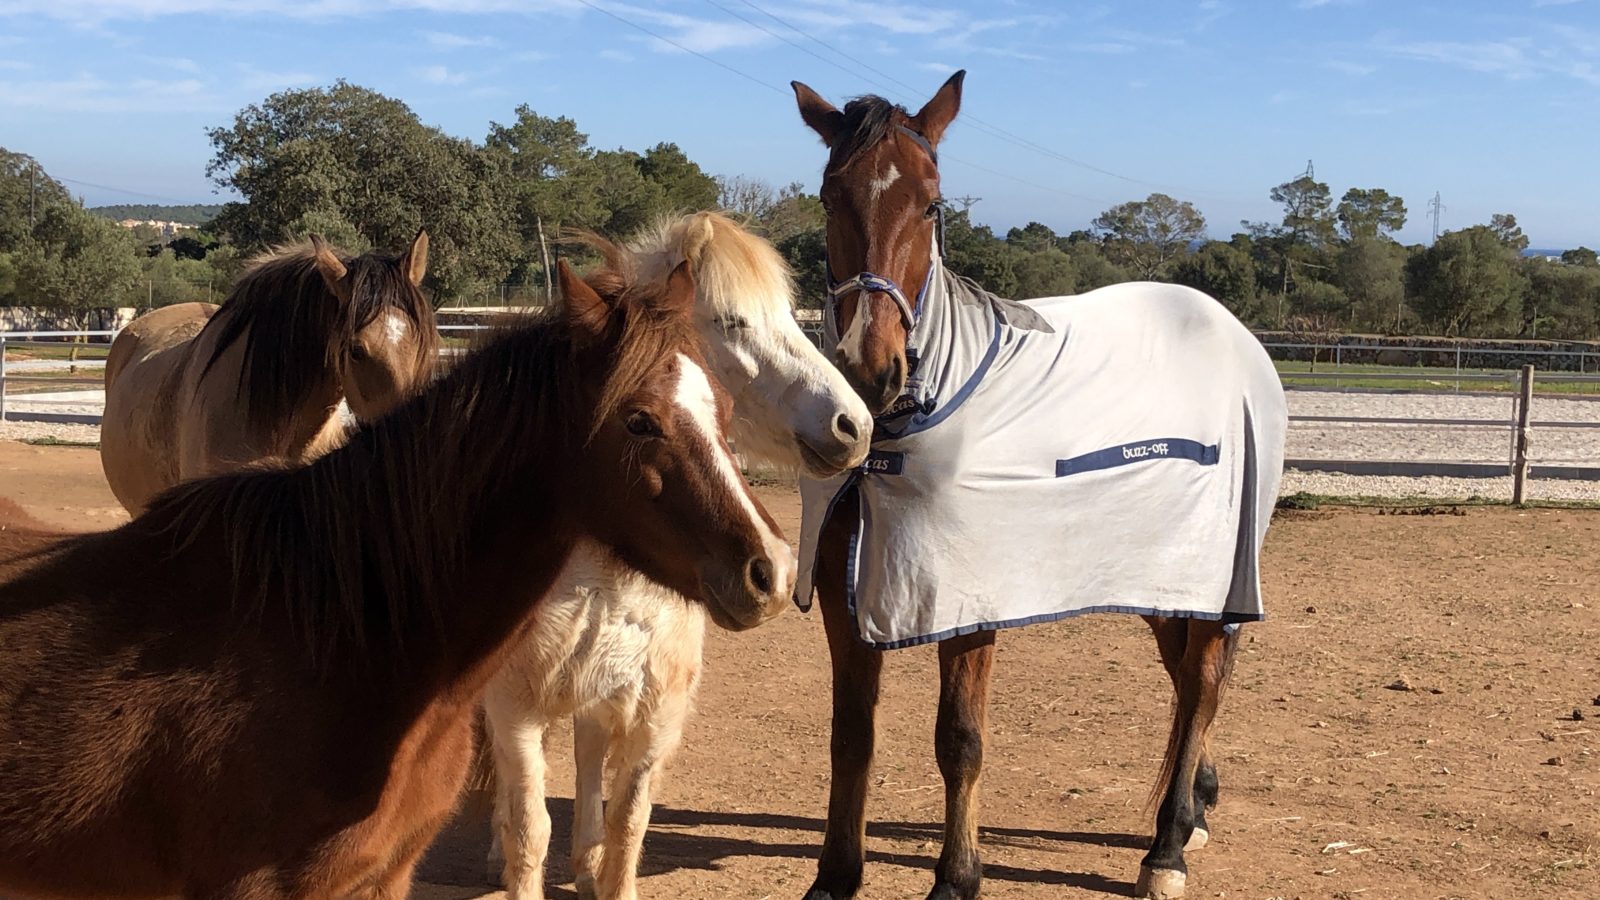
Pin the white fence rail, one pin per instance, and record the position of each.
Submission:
(1518, 421)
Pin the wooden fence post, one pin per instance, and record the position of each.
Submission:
(2, 378)
(1519, 468)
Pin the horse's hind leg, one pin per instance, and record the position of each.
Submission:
(1202, 673)
(856, 670)
(964, 667)
(591, 736)
(1172, 636)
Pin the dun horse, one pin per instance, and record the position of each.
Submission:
(1116, 451)
(305, 335)
(264, 686)
(615, 651)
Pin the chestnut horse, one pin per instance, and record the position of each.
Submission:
(305, 337)
(264, 686)
(882, 195)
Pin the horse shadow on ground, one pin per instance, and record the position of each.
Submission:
(458, 858)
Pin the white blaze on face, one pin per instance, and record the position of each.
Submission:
(695, 396)
(853, 344)
(883, 182)
(395, 328)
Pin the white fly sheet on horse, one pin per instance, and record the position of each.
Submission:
(1116, 451)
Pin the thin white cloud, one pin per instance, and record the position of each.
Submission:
(254, 79)
(616, 55)
(93, 12)
(445, 40)
(942, 68)
(437, 74)
(90, 93)
(14, 65)
(181, 64)
(1350, 68)
(1539, 4)
(533, 56)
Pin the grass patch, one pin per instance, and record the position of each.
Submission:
(1372, 377)
(1306, 500)
(86, 352)
(50, 441)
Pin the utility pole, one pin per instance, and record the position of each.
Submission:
(33, 189)
(966, 203)
(1434, 209)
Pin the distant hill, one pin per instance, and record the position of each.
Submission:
(191, 214)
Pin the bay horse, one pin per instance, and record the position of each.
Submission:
(881, 191)
(621, 654)
(264, 686)
(307, 337)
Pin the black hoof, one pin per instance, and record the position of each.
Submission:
(818, 893)
(947, 891)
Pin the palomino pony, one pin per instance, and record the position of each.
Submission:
(305, 335)
(1116, 451)
(616, 651)
(264, 686)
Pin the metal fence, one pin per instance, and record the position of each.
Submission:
(1330, 373)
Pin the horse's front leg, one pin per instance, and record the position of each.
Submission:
(964, 667)
(521, 819)
(640, 755)
(856, 670)
(1202, 674)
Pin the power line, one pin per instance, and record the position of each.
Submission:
(752, 78)
(989, 128)
(719, 64)
(116, 190)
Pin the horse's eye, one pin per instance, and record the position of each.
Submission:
(642, 424)
(358, 353)
(932, 210)
(733, 323)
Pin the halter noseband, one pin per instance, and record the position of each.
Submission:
(870, 283)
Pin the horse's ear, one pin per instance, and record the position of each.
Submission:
(678, 298)
(586, 311)
(822, 116)
(932, 119)
(328, 265)
(415, 262)
(696, 237)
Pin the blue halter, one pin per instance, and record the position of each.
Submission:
(870, 283)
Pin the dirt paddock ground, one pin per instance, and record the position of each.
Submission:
(1417, 718)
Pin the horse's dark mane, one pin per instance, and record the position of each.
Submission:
(299, 331)
(364, 545)
(867, 119)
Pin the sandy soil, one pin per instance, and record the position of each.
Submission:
(1479, 780)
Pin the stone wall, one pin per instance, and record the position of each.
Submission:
(26, 318)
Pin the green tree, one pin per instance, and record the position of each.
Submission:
(1046, 272)
(1032, 237)
(1563, 301)
(1093, 269)
(974, 251)
(1364, 214)
(1371, 272)
(1145, 236)
(1580, 256)
(1319, 306)
(629, 200)
(683, 184)
(1226, 273)
(353, 163)
(1505, 227)
(1468, 283)
(55, 253)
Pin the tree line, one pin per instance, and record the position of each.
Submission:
(363, 170)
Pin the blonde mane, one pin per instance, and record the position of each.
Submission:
(739, 274)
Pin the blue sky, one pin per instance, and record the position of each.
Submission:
(1069, 107)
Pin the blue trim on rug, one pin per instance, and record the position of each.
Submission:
(922, 422)
(1230, 620)
(1140, 451)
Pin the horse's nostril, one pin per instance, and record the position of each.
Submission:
(760, 575)
(846, 428)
